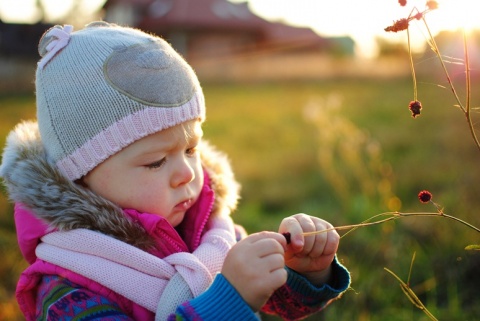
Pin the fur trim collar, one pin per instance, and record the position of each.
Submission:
(32, 180)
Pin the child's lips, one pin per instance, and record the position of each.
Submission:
(184, 206)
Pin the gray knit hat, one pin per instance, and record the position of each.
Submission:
(102, 88)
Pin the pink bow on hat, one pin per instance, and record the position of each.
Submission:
(61, 38)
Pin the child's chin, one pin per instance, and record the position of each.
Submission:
(176, 218)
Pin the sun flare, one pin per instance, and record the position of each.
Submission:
(456, 14)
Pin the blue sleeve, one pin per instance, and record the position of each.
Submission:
(219, 302)
(297, 299)
(339, 283)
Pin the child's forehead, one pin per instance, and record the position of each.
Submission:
(184, 132)
(193, 126)
(182, 136)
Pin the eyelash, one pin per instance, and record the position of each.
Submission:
(157, 164)
(191, 151)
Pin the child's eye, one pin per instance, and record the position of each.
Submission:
(156, 164)
(191, 151)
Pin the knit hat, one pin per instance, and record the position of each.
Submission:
(102, 88)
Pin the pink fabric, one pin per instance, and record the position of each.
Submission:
(62, 37)
(143, 276)
(126, 131)
(31, 277)
(196, 225)
(29, 231)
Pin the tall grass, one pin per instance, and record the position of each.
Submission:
(379, 159)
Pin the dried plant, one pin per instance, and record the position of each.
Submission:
(424, 197)
(415, 107)
(405, 286)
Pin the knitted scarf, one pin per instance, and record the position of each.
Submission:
(138, 275)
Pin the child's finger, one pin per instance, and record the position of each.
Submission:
(332, 242)
(296, 225)
(319, 240)
(291, 230)
(258, 237)
(325, 242)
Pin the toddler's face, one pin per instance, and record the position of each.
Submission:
(160, 174)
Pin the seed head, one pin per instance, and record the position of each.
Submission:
(288, 237)
(403, 3)
(415, 107)
(398, 25)
(424, 196)
(432, 4)
(418, 16)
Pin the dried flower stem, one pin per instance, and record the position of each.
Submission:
(412, 68)
(465, 109)
(468, 90)
(409, 292)
(412, 296)
(467, 75)
(393, 216)
(411, 268)
(436, 50)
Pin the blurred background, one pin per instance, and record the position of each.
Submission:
(310, 101)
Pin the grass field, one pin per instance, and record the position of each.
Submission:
(343, 150)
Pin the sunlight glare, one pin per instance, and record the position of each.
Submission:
(25, 11)
(365, 22)
(18, 11)
(56, 9)
(456, 14)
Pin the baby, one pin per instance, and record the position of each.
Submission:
(122, 208)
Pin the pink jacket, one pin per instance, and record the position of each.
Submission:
(168, 241)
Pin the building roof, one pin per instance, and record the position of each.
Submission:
(221, 15)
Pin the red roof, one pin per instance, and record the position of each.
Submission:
(198, 15)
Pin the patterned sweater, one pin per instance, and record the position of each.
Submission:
(60, 299)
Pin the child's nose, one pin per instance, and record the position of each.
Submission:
(183, 174)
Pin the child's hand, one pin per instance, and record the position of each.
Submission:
(255, 267)
(310, 255)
